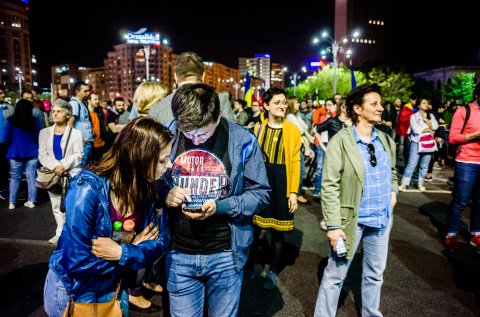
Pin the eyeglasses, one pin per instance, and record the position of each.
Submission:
(278, 103)
(371, 151)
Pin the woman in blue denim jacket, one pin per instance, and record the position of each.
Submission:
(87, 264)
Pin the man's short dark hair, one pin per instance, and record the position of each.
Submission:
(26, 92)
(242, 102)
(118, 99)
(78, 86)
(355, 97)
(189, 64)
(2, 87)
(89, 97)
(195, 106)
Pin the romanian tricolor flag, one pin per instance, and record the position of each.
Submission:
(248, 91)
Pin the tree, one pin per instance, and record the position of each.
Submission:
(461, 87)
(393, 85)
(320, 84)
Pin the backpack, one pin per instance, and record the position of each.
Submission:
(453, 149)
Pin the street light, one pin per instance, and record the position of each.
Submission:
(147, 50)
(236, 86)
(142, 37)
(19, 77)
(334, 48)
(295, 77)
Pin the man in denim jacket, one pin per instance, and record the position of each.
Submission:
(218, 182)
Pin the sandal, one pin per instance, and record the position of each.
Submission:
(157, 288)
(303, 200)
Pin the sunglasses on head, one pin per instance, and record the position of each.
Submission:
(371, 151)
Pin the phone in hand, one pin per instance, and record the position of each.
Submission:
(341, 250)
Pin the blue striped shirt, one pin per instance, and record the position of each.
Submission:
(375, 206)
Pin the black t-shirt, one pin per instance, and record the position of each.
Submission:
(112, 118)
(253, 119)
(205, 169)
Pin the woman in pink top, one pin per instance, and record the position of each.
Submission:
(467, 172)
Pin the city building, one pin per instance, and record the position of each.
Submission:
(15, 57)
(222, 77)
(64, 76)
(277, 76)
(258, 66)
(125, 68)
(439, 77)
(96, 79)
(367, 17)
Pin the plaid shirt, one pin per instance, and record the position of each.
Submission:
(375, 206)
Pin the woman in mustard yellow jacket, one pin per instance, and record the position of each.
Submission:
(280, 141)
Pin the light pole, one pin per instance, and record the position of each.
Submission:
(147, 50)
(334, 48)
(2, 74)
(295, 78)
(146, 39)
(19, 77)
(236, 86)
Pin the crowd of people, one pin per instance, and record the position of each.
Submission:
(172, 192)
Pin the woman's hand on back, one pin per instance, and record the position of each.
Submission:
(149, 233)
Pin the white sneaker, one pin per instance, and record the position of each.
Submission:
(53, 240)
(29, 204)
(422, 188)
(401, 188)
(11, 206)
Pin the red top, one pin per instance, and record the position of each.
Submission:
(117, 215)
(468, 152)
(404, 120)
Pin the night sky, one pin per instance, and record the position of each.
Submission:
(84, 31)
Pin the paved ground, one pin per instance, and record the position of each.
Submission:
(422, 278)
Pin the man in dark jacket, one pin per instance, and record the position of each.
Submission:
(219, 181)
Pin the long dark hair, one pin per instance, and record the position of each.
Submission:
(131, 163)
(22, 118)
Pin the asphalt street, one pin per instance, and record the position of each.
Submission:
(421, 279)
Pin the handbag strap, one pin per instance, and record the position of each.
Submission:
(115, 294)
(66, 144)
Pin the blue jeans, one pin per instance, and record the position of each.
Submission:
(87, 152)
(467, 185)
(375, 250)
(195, 279)
(301, 192)
(319, 170)
(16, 169)
(413, 159)
(55, 297)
